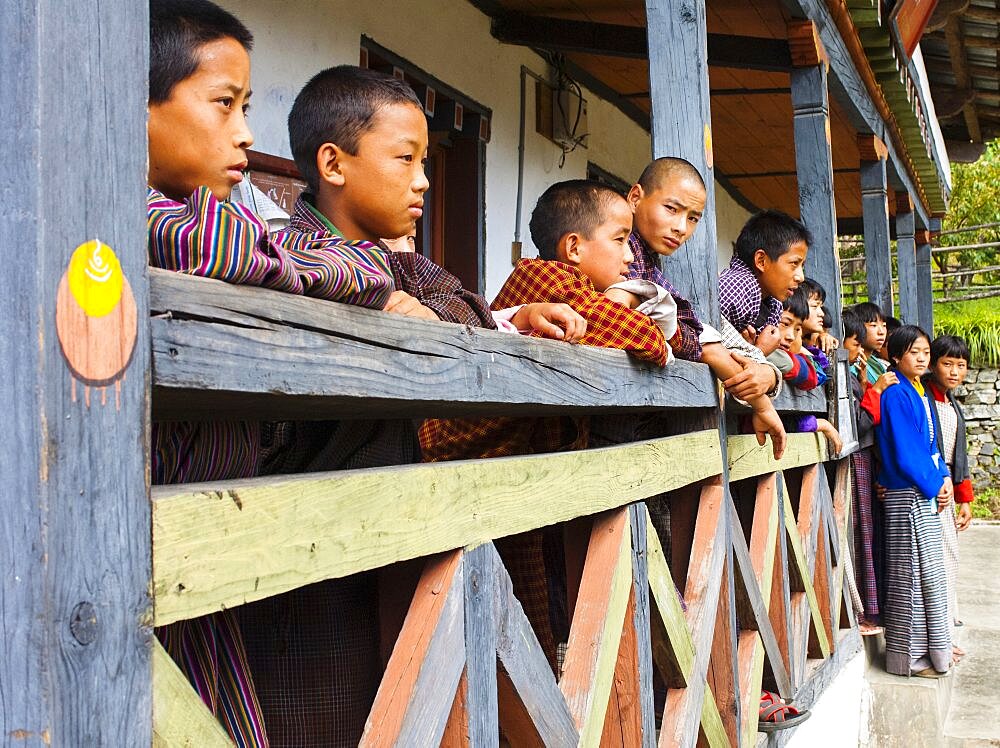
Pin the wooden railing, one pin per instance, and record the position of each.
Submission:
(757, 546)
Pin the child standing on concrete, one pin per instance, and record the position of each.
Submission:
(949, 366)
(917, 483)
(868, 522)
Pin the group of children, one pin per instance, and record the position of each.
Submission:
(300, 669)
(909, 474)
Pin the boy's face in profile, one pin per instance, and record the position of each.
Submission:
(667, 216)
(790, 331)
(814, 325)
(876, 335)
(382, 186)
(779, 278)
(198, 136)
(604, 256)
(853, 347)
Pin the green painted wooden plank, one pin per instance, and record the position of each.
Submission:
(216, 545)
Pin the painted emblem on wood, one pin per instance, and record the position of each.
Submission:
(96, 319)
(709, 155)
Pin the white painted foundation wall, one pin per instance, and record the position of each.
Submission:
(450, 39)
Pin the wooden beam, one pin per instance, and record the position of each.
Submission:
(641, 621)
(682, 126)
(623, 720)
(858, 92)
(805, 45)
(875, 209)
(616, 40)
(979, 13)
(798, 535)
(415, 696)
(313, 359)
(925, 295)
(481, 645)
(684, 708)
(675, 653)
(223, 544)
(959, 66)
(180, 717)
(753, 578)
(598, 617)
(906, 261)
(525, 666)
(814, 167)
(75, 659)
(871, 148)
(748, 459)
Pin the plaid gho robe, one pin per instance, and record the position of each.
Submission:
(609, 325)
(532, 570)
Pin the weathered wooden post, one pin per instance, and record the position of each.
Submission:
(75, 527)
(682, 126)
(875, 209)
(906, 260)
(814, 158)
(925, 296)
(677, 38)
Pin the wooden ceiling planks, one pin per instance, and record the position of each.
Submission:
(752, 132)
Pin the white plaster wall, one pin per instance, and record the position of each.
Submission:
(451, 40)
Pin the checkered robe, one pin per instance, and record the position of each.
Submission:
(609, 325)
(742, 300)
(645, 267)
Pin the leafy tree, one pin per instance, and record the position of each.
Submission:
(975, 200)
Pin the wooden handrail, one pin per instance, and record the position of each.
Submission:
(225, 351)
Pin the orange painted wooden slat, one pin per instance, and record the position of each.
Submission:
(623, 721)
(398, 688)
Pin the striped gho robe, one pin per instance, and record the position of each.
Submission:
(206, 237)
(609, 325)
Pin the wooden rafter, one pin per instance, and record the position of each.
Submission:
(614, 40)
(959, 66)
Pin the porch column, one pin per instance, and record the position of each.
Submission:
(682, 126)
(906, 260)
(925, 298)
(875, 206)
(814, 159)
(75, 610)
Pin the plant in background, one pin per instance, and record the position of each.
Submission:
(975, 201)
(976, 321)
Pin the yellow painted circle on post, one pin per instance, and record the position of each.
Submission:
(709, 155)
(95, 278)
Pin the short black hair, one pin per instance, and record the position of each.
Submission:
(891, 324)
(338, 106)
(827, 317)
(576, 205)
(853, 326)
(903, 339)
(771, 230)
(177, 30)
(869, 311)
(661, 169)
(949, 346)
(797, 304)
(813, 288)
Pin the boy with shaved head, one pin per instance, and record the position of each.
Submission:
(667, 204)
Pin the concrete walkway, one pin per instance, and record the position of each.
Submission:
(974, 716)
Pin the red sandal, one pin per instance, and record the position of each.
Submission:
(775, 715)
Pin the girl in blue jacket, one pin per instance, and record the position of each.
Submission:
(917, 635)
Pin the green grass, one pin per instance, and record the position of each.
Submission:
(986, 505)
(978, 322)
